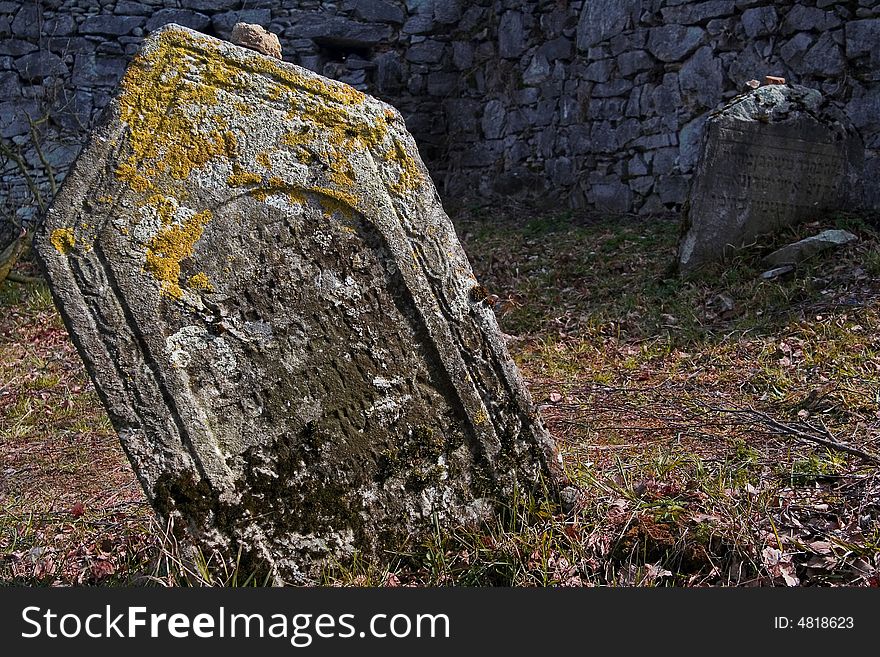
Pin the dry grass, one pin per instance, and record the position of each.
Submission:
(71, 510)
(642, 378)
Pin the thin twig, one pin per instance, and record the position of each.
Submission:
(779, 427)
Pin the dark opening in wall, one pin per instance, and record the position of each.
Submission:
(336, 50)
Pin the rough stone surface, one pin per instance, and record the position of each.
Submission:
(792, 254)
(257, 271)
(773, 157)
(256, 37)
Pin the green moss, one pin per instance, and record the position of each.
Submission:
(416, 459)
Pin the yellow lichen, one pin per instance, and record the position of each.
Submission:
(175, 126)
(243, 179)
(171, 129)
(63, 239)
(169, 246)
(201, 282)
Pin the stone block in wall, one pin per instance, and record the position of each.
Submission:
(652, 141)
(132, 8)
(10, 85)
(482, 154)
(636, 166)
(663, 160)
(760, 21)
(864, 111)
(671, 43)
(186, 17)
(569, 111)
(40, 64)
(520, 182)
(73, 111)
(517, 122)
(559, 48)
(68, 46)
(635, 61)
(638, 103)
(447, 12)
(803, 18)
(872, 192)
(61, 25)
(794, 50)
(462, 55)
(389, 73)
(671, 190)
(606, 137)
(378, 11)
(494, 119)
(600, 109)
(701, 79)
(26, 24)
(633, 40)
(94, 70)
(863, 38)
(462, 116)
(335, 30)
(611, 196)
(422, 23)
(428, 51)
(641, 185)
(537, 71)
(442, 84)
(543, 114)
(598, 71)
(824, 58)
(511, 36)
(615, 87)
(16, 47)
(209, 5)
(692, 13)
(666, 97)
(111, 24)
(14, 117)
(602, 19)
(560, 171)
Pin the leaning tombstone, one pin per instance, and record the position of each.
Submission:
(276, 312)
(775, 156)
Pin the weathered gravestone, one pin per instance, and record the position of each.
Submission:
(278, 316)
(775, 156)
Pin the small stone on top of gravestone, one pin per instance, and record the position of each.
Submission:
(772, 79)
(256, 37)
(774, 156)
(256, 269)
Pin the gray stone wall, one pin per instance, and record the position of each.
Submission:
(583, 104)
